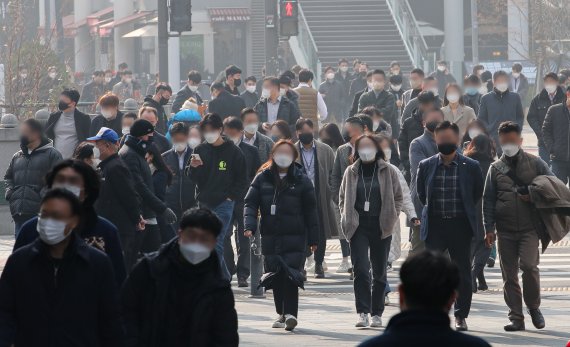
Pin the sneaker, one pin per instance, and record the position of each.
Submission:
(310, 264)
(376, 322)
(325, 266)
(290, 322)
(279, 322)
(386, 300)
(319, 271)
(389, 267)
(343, 267)
(362, 321)
(490, 262)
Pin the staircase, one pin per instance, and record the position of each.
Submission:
(363, 29)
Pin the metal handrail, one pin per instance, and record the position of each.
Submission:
(410, 31)
(308, 45)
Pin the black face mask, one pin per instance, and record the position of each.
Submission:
(237, 82)
(446, 148)
(346, 137)
(362, 74)
(24, 141)
(432, 125)
(163, 101)
(306, 138)
(150, 140)
(62, 105)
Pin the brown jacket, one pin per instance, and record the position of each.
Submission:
(390, 194)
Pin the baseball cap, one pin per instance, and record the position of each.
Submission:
(105, 134)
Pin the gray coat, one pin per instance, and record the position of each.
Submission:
(390, 194)
(421, 148)
(498, 107)
(325, 160)
(25, 177)
(341, 162)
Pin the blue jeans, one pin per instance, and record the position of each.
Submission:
(224, 211)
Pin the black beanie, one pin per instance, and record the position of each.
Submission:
(141, 127)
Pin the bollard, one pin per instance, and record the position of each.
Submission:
(256, 267)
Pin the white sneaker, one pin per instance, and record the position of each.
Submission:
(386, 300)
(325, 266)
(290, 322)
(362, 321)
(310, 264)
(343, 267)
(279, 323)
(376, 322)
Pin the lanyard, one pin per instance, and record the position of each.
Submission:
(308, 165)
(367, 195)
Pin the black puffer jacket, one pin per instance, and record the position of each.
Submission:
(169, 302)
(556, 132)
(25, 177)
(180, 194)
(538, 107)
(286, 234)
(412, 128)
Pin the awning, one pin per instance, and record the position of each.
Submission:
(224, 15)
(149, 30)
(128, 19)
(98, 15)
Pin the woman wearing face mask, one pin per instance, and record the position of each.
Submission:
(87, 153)
(59, 278)
(110, 116)
(195, 137)
(81, 180)
(285, 198)
(370, 201)
(455, 110)
(280, 131)
(482, 149)
(161, 179)
(476, 127)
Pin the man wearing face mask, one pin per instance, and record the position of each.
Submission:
(25, 175)
(449, 185)
(472, 96)
(125, 87)
(413, 127)
(429, 84)
(344, 77)
(183, 287)
(223, 103)
(250, 96)
(151, 115)
(379, 98)
(273, 106)
(333, 93)
(68, 127)
(518, 82)
(252, 136)
(219, 170)
(311, 103)
(317, 160)
(509, 215)
(162, 95)
(416, 79)
(110, 116)
(443, 76)
(133, 154)
(48, 84)
(421, 148)
(396, 70)
(359, 82)
(397, 90)
(234, 130)
(190, 90)
(233, 80)
(500, 105)
(95, 88)
(285, 89)
(551, 94)
(59, 278)
(367, 88)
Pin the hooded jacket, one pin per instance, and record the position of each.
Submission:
(25, 177)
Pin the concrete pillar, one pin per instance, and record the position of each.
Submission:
(84, 43)
(173, 77)
(209, 53)
(518, 31)
(454, 41)
(124, 48)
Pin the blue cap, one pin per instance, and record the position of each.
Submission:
(105, 134)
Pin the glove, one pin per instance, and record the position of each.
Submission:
(169, 216)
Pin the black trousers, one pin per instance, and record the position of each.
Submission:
(479, 256)
(130, 244)
(369, 292)
(455, 235)
(285, 295)
(149, 239)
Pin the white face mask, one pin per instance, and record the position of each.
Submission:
(107, 114)
(179, 146)
(330, 76)
(236, 140)
(474, 132)
(550, 88)
(52, 74)
(128, 80)
(367, 154)
(51, 231)
(343, 68)
(250, 89)
(24, 75)
(516, 74)
(375, 125)
(211, 137)
(483, 90)
(96, 153)
(251, 128)
(126, 130)
(441, 68)
(194, 253)
(434, 90)
(510, 149)
(396, 87)
(369, 84)
(387, 153)
(453, 98)
(193, 88)
(282, 92)
(193, 142)
(95, 164)
(502, 87)
(107, 79)
(283, 160)
(265, 93)
(377, 86)
(75, 190)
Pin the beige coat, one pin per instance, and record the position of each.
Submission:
(325, 160)
(464, 116)
(390, 195)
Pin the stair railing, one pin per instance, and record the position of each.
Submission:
(411, 36)
(308, 46)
